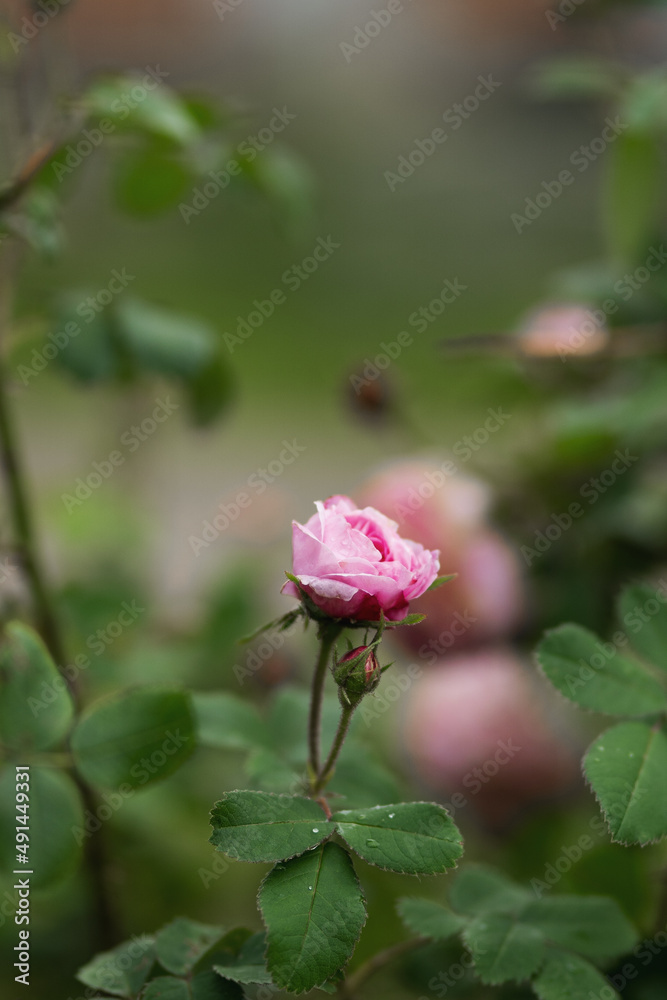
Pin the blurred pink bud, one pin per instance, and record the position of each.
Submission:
(476, 725)
(449, 511)
(564, 330)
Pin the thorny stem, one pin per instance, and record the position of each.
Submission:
(12, 193)
(18, 503)
(328, 637)
(327, 771)
(23, 528)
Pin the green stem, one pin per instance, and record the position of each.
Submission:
(47, 622)
(374, 964)
(327, 771)
(24, 533)
(327, 638)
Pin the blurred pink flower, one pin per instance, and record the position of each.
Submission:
(352, 563)
(562, 330)
(448, 512)
(475, 724)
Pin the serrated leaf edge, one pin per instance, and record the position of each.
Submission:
(356, 941)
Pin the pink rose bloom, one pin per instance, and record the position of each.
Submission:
(451, 513)
(352, 563)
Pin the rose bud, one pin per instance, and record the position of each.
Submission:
(358, 673)
(448, 511)
(352, 563)
(477, 725)
(370, 398)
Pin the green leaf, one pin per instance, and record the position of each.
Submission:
(249, 966)
(569, 657)
(148, 182)
(207, 985)
(133, 102)
(38, 222)
(627, 769)
(633, 194)
(164, 341)
(35, 705)
(181, 944)
(503, 948)
(414, 838)
(593, 926)
(361, 779)
(565, 976)
(260, 826)
(426, 918)
(227, 722)
(314, 911)
(209, 391)
(477, 889)
(644, 106)
(204, 986)
(412, 619)
(439, 580)
(286, 183)
(89, 354)
(122, 971)
(276, 624)
(576, 77)
(271, 772)
(647, 629)
(135, 737)
(55, 817)
(167, 988)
